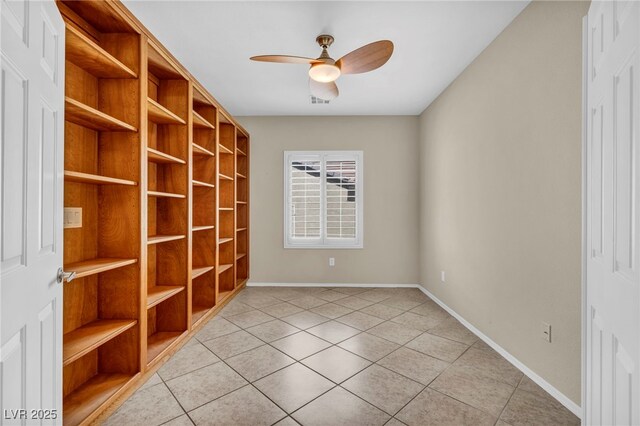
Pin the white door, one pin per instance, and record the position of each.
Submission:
(32, 130)
(613, 216)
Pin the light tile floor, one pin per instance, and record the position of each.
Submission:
(338, 356)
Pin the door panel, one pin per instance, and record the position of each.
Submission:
(595, 357)
(47, 179)
(624, 169)
(32, 60)
(14, 167)
(14, 14)
(623, 373)
(612, 282)
(13, 373)
(596, 211)
(48, 340)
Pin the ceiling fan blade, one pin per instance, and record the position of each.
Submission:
(326, 91)
(367, 58)
(284, 59)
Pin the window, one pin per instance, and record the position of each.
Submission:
(323, 199)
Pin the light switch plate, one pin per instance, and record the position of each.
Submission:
(73, 217)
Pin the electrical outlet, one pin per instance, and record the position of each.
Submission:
(332, 261)
(443, 277)
(546, 332)
(72, 217)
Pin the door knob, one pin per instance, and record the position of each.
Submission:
(65, 276)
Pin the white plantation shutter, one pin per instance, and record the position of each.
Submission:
(323, 199)
(340, 190)
(305, 199)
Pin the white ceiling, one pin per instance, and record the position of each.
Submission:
(434, 41)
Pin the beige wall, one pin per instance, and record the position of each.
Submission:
(390, 253)
(500, 188)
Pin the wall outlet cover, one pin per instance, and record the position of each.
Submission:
(546, 332)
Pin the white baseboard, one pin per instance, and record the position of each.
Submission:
(279, 284)
(550, 389)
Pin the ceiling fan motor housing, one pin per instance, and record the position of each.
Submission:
(324, 40)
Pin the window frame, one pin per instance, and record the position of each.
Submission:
(324, 242)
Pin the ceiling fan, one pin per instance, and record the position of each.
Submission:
(324, 70)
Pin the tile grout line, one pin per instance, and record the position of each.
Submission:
(509, 400)
(335, 384)
(425, 386)
(403, 311)
(455, 398)
(178, 401)
(336, 319)
(336, 345)
(249, 383)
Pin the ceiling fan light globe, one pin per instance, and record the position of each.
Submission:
(324, 73)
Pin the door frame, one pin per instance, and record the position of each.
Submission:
(585, 175)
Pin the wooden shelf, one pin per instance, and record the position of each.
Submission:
(225, 209)
(240, 255)
(202, 184)
(202, 228)
(160, 66)
(223, 268)
(156, 156)
(88, 55)
(198, 312)
(241, 229)
(161, 115)
(91, 396)
(223, 295)
(241, 152)
(240, 175)
(83, 115)
(80, 177)
(83, 340)
(241, 202)
(201, 122)
(158, 342)
(198, 150)
(224, 240)
(160, 293)
(224, 177)
(157, 239)
(196, 272)
(224, 150)
(164, 194)
(96, 266)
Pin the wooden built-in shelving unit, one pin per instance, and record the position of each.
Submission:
(242, 206)
(226, 206)
(101, 318)
(168, 203)
(204, 219)
(160, 171)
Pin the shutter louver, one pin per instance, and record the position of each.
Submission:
(341, 197)
(305, 201)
